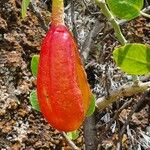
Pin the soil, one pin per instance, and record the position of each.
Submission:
(21, 127)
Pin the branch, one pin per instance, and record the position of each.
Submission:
(72, 145)
(144, 14)
(90, 134)
(125, 90)
(98, 27)
(112, 20)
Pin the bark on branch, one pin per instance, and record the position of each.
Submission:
(124, 91)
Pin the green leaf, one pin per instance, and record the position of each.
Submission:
(125, 9)
(133, 58)
(34, 100)
(34, 64)
(73, 135)
(24, 6)
(91, 107)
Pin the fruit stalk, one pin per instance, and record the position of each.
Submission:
(57, 12)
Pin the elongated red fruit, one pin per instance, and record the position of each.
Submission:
(62, 87)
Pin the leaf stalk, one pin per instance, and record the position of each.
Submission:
(112, 20)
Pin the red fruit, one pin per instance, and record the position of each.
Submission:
(62, 88)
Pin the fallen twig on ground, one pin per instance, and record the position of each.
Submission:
(38, 15)
(71, 144)
(135, 107)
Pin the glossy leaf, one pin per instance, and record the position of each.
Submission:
(91, 107)
(73, 135)
(133, 58)
(34, 65)
(125, 9)
(24, 6)
(34, 101)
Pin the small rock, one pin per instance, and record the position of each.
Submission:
(16, 146)
(12, 104)
(6, 129)
(38, 144)
(22, 112)
(2, 112)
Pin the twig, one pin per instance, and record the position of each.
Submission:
(89, 42)
(86, 47)
(38, 15)
(135, 107)
(72, 145)
(144, 14)
(92, 13)
(117, 113)
(74, 30)
(147, 9)
(112, 20)
(146, 3)
(125, 90)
